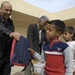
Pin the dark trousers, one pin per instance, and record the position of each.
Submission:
(5, 67)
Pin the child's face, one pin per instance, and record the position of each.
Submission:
(51, 32)
(67, 36)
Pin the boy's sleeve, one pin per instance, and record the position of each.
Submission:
(39, 57)
(68, 59)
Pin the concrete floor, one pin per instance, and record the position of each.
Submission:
(16, 70)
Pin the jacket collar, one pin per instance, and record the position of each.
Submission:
(1, 18)
(56, 40)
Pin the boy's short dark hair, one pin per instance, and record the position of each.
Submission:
(69, 29)
(60, 25)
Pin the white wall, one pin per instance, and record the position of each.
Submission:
(21, 30)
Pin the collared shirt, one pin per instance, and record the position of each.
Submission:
(56, 54)
(40, 30)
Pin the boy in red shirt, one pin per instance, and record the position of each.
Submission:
(58, 56)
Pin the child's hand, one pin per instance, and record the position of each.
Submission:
(32, 51)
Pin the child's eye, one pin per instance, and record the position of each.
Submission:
(49, 30)
(65, 33)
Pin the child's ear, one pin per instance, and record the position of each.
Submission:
(58, 33)
(72, 34)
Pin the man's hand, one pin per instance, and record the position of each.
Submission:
(15, 35)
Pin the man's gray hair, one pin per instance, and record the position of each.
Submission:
(44, 18)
